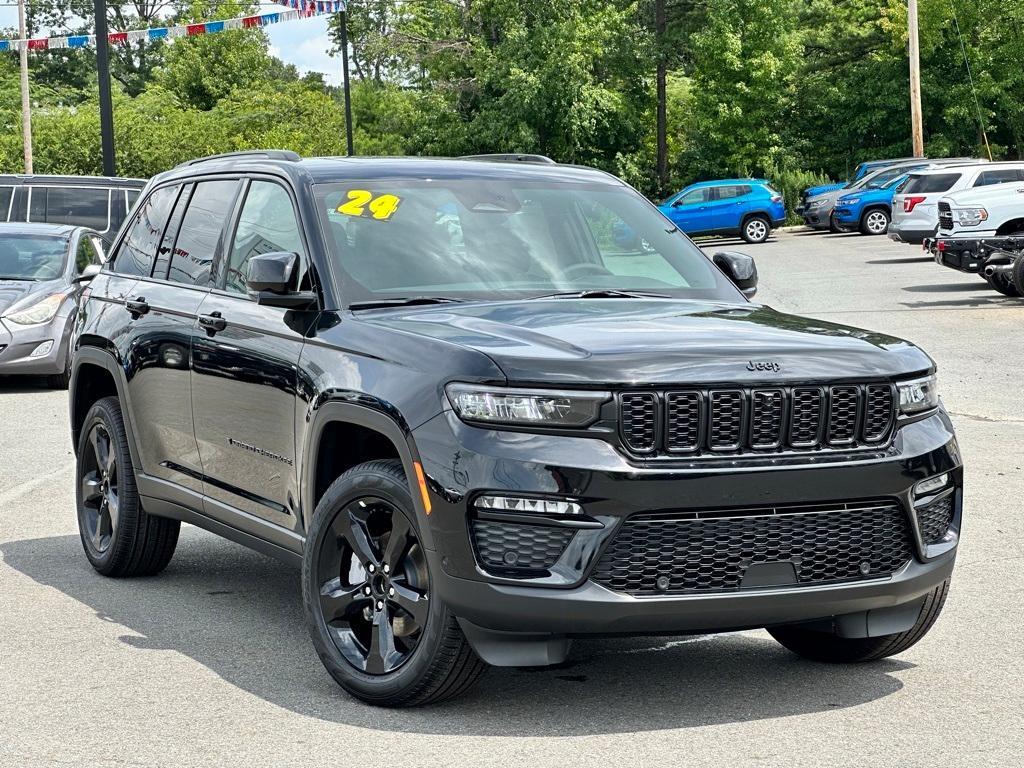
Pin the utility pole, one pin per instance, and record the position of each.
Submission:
(26, 104)
(916, 127)
(661, 96)
(103, 76)
(343, 18)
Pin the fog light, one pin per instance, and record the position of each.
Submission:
(528, 506)
(42, 349)
(932, 485)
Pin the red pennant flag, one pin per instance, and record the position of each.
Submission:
(39, 44)
(118, 38)
(250, 21)
(195, 29)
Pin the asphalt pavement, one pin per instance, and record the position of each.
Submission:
(209, 664)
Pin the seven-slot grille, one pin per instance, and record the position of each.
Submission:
(759, 419)
(945, 216)
(712, 551)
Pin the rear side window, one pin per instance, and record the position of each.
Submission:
(199, 238)
(937, 182)
(138, 249)
(1000, 176)
(132, 196)
(80, 206)
(6, 193)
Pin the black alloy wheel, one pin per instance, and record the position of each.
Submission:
(100, 496)
(374, 586)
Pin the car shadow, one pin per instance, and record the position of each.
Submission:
(20, 385)
(947, 288)
(912, 260)
(994, 301)
(239, 614)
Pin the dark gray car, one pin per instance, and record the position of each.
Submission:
(41, 271)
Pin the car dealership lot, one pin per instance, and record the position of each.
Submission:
(210, 664)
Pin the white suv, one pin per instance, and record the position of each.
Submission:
(915, 207)
(995, 211)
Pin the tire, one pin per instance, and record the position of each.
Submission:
(833, 226)
(756, 229)
(819, 646)
(1017, 275)
(119, 538)
(1003, 284)
(60, 380)
(425, 658)
(875, 222)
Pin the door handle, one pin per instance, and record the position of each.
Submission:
(137, 307)
(213, 323)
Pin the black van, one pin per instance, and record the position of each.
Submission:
(100, 203)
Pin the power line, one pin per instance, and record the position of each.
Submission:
(970, 78)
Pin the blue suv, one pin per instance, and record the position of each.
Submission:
(750, 208)
(868, 209)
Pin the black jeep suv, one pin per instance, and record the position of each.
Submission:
(495, 406)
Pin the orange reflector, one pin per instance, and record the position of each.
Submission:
(423, 485)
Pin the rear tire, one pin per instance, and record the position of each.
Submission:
(756, 229)
(819, 646)
(119, 538)
(1018, 274)
(1003, 284)
(875, 222)
(376, 624)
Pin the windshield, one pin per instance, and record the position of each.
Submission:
(32, 257)
(472, 239)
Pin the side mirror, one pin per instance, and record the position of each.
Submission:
(272, 278)
(87, 274)
(740, 268)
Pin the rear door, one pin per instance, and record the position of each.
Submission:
(728, 204)
(245, 370)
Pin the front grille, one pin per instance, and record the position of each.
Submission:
(516, 547)
(945, 216)
(934, 519)
(682, 553)
(723, 421)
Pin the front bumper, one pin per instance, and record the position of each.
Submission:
(817, 218)
(17, 343)
(461, 461)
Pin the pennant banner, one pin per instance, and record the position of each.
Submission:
(298, 9)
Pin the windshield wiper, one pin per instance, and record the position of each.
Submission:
(605, 293)
(408, 301)
(22, 279)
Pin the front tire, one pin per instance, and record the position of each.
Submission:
(875, 222)
(376, 624)
(119, 538)
(819, 646)
(756, 229)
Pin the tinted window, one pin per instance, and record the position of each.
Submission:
(938, 182)
(138, 249)
(86, 254)
(1001, 176)
(83, 206)
(201, 228)
(727, 193)
(133, 196)
(163, 253)
(5, 201)
(267, 224)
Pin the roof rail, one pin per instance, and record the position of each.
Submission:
(270, 154)
(510, 158)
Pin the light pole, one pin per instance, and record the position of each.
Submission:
(103, 75)
(26, 104)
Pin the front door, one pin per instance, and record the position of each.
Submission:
(691, 211)
(244, 376)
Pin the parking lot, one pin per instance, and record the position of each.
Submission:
(210, 663)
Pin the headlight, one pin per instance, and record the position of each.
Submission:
(42, 311)
(918, 395)
(970, 217)
(521, 407)
(850, 201)
(815, 203)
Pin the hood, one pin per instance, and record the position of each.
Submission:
(13, 291)
(602, 342)
(1007, 192)
(831, 196)
(822, 189)
(868, 195)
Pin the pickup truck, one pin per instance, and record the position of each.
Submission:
(1000, 260)
(992, 211)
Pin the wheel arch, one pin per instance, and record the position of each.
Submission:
(759, 213)
(96, 374)
(1010, 227)
(364, 434)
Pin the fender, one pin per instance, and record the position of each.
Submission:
(372, 415)
(103, 359)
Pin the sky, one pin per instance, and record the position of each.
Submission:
(302, 42)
